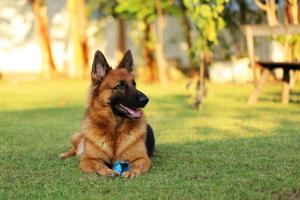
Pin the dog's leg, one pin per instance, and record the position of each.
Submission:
(92, 165)
(75, 140)
(70, 153)
(138, 166)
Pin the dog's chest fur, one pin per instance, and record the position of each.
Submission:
(113, 142)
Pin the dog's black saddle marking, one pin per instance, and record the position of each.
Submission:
(150, 141)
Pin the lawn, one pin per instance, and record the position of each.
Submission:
(227, 150)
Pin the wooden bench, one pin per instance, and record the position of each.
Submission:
(265, 30)
(266, 68)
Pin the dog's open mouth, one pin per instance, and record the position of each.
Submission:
(133, 113)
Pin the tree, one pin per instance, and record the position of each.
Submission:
(292, 42)
(187, 28)
(121, 48)
(236, 14)
(40, 15)
(206, 16)
(292, 12)
(270, 7)
(78, 25)
(148, 51)
(144, 12)
(106, 8)
(160, 43)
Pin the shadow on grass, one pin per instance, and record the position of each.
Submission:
(255, 167)
(232, 167)
(251, 168)
(277, 99)
(172, 103)
(275, 96)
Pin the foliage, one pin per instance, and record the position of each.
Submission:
(101, 8)
(293, 41)
(226, 151)
(207, 19)
(236, 14)
(141, 12)
(137, 9)
(205, 16)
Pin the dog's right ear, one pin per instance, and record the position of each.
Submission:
(100, 67)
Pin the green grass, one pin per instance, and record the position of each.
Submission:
(227, 150)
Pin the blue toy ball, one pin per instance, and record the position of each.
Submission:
(120, 167)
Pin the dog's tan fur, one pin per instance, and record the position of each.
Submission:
(106, 138)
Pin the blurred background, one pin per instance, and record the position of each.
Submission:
(210, 55)
(171, 40)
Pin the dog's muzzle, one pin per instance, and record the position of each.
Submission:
(142, 100)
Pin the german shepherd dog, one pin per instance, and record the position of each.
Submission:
(114, 127)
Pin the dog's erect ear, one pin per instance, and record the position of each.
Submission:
(100, 67)
(127, 61)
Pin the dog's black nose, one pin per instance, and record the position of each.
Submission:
(143, 100)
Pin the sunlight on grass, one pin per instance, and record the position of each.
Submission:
(224, 114)
(45, 94)
(226, 150)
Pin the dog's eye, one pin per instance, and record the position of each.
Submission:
(120, 85)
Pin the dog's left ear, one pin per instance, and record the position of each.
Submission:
(127, 62)
(100, 67)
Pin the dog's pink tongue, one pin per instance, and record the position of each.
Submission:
(137, 113)
(134, 113)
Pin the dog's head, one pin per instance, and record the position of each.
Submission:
(116, 87)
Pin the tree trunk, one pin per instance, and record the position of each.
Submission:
(121, 38)
(271, 13)
(291, 9)
(78, 37)
(291, 17)
(150, 68)
(187, 36)
(200, 87)
(83, 23)
(270, 8)
(40, 14)
(243, 9)
(160, 44)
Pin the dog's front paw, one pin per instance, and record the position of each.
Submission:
(131, 174)
(62, 156)
(107, 173)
